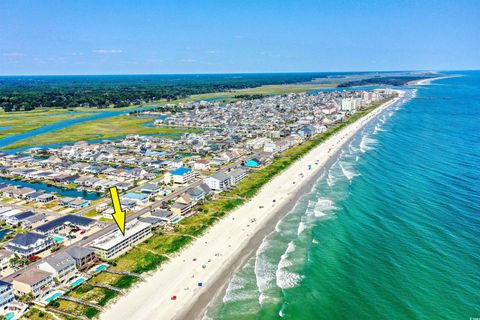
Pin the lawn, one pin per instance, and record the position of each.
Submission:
(113, 127)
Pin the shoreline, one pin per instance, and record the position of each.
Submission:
(216, 255)
(424, 82)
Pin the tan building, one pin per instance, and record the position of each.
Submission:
(33, 281)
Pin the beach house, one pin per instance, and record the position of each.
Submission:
(61, 265)
(180, 175)
(84, 257)
(29, 244)
(6, 294)
(34, 281)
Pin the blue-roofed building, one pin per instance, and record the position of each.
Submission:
(6, 294)
(253, 163)
(180, 175)
(18, 218)
(29, 244)
(68, 220)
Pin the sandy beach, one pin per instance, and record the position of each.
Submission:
(216, 255)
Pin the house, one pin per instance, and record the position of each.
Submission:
(180, 176)
(33, 220)
(60, 265)
(237, 175)
(6, 295)
(218, 181)
(150, 188)
(18, 218)
(253, 163)
(29, 244)
(76, 203)
(84, 257)
(200, 192)
(45, 198)
(5, 257)
(68, 220)
(165, 215)
(139, 198)
(201, 165)
(32, 281)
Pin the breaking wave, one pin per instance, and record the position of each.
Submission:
(287, 279)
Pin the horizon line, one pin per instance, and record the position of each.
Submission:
(227, 73)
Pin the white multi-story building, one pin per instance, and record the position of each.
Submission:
(218, 181)
(115, 243)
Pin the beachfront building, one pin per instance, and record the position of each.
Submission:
(32, 281)
(180, 175)
(115, 243)
(60, 265)
(218, 181)
(5, 258)
(84, 257)
(6, 295)
(237, 175)
(29, 244)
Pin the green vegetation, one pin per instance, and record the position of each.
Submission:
(92, 294)
(37, 314)
(19, 122)
(117, 126)
(28, 93)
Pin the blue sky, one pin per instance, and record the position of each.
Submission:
(203, 36)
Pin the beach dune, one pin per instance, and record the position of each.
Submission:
(213, 258)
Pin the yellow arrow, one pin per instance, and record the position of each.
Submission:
(118, 214)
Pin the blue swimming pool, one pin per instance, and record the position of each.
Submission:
(58, 239)
(101, 268)
(53, 297)
(9, 316)
(77, 282)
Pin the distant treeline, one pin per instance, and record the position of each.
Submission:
(28, 93)
(391, 81)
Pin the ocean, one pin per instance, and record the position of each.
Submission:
(390, 231)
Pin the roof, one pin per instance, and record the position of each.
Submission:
(237, 172)
(162, 213)
(73, 219)
(32, 276)
(181, 171)
(26, 239)
(23, 215)
(136, 196)
(59, 261)
(4, 283)
(113, 238)
(220, 176)
(78, 252)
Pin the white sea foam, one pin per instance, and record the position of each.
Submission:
(301, 228)
(367, 143)
(263, 271)
(314, 241)
(349, 174)
(287, 279)
(323, 206)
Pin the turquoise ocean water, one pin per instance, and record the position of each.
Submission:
(390, 231)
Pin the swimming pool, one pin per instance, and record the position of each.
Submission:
(77, 282)
(53, 297)
(101, 268)
(10, 316)
(58, 239)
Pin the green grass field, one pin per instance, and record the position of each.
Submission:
(117, 126)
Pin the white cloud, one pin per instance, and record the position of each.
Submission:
(212, 51)
(107, 51)
(188, 60)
